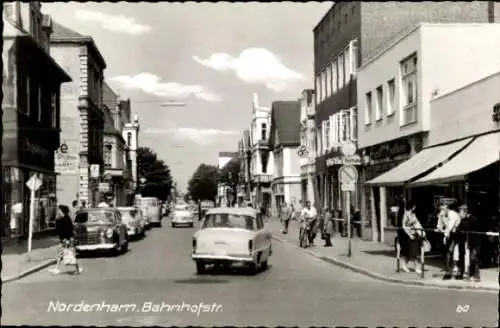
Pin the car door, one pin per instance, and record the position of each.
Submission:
(259, 234)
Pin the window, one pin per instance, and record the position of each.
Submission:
(264, 161)
(354, 124)
(318, 89)
(328, 81)
(327, 135)
(353, 57)
(263, 131)
(27, 110)
(334, 132)
(341, 71)
(409, 90)
(368, 108)
(229, 221)
(346, 125)
(108, 149)
(380, 102)
(53, 109)
(319, 142)
(391, 92)
(334, 77)
(39, 104)
(129, 139)
(347, 65)
(323, 85)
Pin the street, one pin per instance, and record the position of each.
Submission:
(297, 289)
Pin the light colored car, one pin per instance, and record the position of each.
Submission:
(182, 216)
(132, 219)
(229, 236)
(151, 209)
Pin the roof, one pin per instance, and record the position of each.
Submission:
(62, 34)
(285, 119)
(233, 210)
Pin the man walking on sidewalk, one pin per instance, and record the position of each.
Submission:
(451, 240)
(470, 241)
(285, 215)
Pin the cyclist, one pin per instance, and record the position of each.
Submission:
(310, 216)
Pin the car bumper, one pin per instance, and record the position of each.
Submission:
(95, 247)
(216, 258)
(132, 232)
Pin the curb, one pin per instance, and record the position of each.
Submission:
(29, 271)
(380, 277)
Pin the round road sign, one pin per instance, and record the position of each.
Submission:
(348, 174)
(348, 149)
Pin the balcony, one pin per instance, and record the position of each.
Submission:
(263, 178)
(114, 172)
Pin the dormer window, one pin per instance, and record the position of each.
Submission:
(129, 139)
(263, 131)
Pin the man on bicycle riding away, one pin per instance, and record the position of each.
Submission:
(310, 215)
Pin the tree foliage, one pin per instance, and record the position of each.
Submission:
(203, 183)
(156, 172)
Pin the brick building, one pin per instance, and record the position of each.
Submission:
(82, 117)
(31, 87)
(346, 36)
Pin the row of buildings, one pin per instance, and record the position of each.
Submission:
(414, 87)
(61, 122)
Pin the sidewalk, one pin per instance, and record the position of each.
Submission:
(378, 261)
(16, 263)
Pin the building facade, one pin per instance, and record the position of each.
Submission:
(285, 143)
(246, 161)
(82, 117)
(130, 133)
(307, 148)
(117, 164)
(395, 90)
(31, 108)
(261, 165)
(346, 36)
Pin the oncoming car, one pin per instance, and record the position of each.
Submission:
(229, 236)
(182, 216)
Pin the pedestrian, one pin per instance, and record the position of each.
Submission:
(285, 216)
(327, 227)
(74, 209)
(52, 210)
(83, 204)
(310, 214)
(470, 241)
(413, 230)
(450, 239)
(65, 231)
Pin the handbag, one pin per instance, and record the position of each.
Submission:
(426, 246)
(69, 257)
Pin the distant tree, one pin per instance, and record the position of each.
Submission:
(230, 176)
(203, 183)
(157, 174)
(186, 197)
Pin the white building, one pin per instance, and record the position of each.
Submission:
(130, 133)
(261, 164)
(395, 89)
(307, 148)
(285, 142)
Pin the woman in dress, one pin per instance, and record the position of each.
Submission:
(415, 234)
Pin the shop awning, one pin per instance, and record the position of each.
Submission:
(483, 151)
(422, 162)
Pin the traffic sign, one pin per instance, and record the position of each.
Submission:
(104, 187)
(348, 149)
(348, 174)
(94, 170)
(34, 183)
(348, 186)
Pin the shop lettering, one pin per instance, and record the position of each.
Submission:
(390, 151)
(35, 150)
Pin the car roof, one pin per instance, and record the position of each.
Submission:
(233, 210)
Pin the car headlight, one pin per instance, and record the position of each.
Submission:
(109, 233)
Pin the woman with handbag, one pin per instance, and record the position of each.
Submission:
(65, 230)
(415, 234)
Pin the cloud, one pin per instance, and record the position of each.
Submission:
(115, 23)
(151, 84)
(196, 135)
(256, 66)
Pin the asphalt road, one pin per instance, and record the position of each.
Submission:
(297, 289)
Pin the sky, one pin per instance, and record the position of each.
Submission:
(209, 57)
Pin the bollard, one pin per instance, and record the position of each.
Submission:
(398, 255)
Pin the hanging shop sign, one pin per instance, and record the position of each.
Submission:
(65, 163)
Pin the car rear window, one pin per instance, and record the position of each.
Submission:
(95, 217)
(229, 221)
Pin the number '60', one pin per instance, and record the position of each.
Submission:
(462, 308)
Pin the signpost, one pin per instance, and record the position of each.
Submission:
(34, 183)
(348, 176)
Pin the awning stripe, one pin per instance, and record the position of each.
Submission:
(483, 151)
(422, 162)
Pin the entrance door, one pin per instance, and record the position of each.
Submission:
(376, 198)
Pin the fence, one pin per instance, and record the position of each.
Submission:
(422, 251)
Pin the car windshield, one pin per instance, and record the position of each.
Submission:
(229, 221)
(128, 215)
(95, 217)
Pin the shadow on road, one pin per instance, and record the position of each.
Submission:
(233, 271)
(100, 254)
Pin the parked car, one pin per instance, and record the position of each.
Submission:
(182, 216)
(232, 235)
(100, 229)
(151, 208)
(136, 227)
